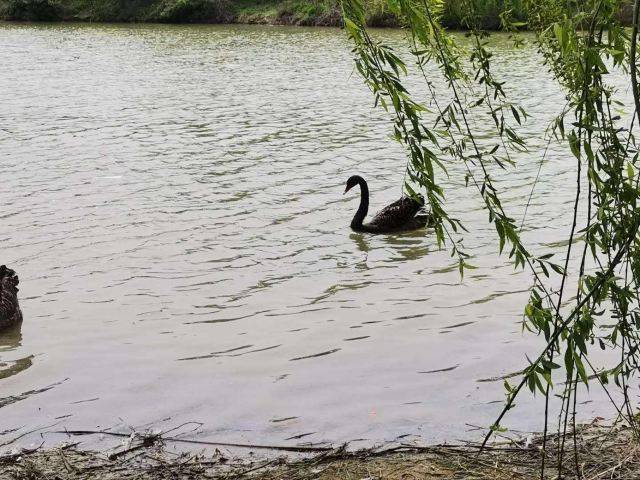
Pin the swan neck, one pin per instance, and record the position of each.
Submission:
(363, 209)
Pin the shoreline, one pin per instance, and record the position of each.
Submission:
(602, 450)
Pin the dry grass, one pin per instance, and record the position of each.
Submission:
(603, 453)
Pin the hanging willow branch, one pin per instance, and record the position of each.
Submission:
(633, 58)
(579, 42)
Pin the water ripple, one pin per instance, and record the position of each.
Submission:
(176, 192)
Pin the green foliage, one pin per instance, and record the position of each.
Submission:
(30, 10)
(315, 12)
(173, 11)
(581, 42)
(488, 13)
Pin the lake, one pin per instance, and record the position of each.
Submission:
(172, 199)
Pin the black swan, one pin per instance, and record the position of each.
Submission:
(10, 313)
(397, 217)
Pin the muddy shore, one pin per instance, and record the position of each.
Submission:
(602, 452)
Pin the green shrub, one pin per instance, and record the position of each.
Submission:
(190, 11)
(487, 11)
(309, 12)
(31, 10)
(294, 12)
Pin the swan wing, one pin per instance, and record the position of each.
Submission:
(397, 214)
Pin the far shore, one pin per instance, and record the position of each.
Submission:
(325, 13)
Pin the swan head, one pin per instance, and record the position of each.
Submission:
(352, 182)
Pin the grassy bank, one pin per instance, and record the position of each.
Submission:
(276, 12)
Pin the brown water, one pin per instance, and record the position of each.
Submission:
(171, 197)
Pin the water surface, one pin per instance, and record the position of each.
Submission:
(171, 197)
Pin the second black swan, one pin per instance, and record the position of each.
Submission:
(399, 216)
(10, 313)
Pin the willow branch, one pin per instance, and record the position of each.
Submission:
(562, 327)
(632, 59)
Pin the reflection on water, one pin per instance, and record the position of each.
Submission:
(172, 199)
(10, 340)
(361, 241)
(409, 245)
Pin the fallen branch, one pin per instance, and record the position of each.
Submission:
(284, 448)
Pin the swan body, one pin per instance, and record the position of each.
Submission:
(10, 314)
(399, 216)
